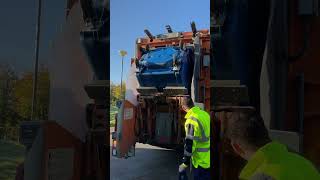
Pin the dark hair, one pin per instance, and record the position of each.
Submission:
(249, 128)
(187, 102)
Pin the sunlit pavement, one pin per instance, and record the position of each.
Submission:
(150, 162)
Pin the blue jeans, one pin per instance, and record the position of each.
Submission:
(201, 173)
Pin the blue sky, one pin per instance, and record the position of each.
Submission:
(130, 17)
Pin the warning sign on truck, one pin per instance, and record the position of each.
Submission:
(128, 113)
(60, 163)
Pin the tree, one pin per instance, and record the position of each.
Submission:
(43, 95)
(115, 94)
(16, 99)
(8, 116)
(23, 93)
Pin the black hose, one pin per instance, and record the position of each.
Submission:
(306, 40)
(89, 114)
(136, 133)
(149, 34)
(193, 28)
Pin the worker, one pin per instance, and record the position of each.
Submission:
(267, 159)
(197, 141)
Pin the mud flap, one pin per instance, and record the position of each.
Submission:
(124, 139)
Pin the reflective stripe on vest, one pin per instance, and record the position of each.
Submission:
(202, 149)
(186, 153)
(190, 137)
(194, 138)
(203, 134)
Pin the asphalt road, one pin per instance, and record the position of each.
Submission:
(150, 162)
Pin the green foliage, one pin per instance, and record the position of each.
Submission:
(113, 111)
(8, 116)
(112, 123)
(15, 106)
(11, 154)
(16, 99)
(115, 94)
(43, 94)
(23, 93)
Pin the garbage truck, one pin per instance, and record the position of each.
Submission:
(166, 67)
(269, 50)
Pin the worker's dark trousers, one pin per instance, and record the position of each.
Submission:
(201, 173)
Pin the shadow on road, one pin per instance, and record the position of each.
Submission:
(150, 162)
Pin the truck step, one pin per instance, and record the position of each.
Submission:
(147, 90)
(170, 90)
(228, 93)
(97, 89)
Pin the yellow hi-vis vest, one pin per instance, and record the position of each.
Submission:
(201, 140)
(276, 161)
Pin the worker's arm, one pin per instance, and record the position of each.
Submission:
(188, 145)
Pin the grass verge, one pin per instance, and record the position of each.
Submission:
(11, 154)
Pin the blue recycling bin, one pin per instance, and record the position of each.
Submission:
(156, 68)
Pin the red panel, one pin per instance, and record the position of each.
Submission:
(55, 136)
(128, 137)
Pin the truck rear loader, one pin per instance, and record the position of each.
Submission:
(166, 67)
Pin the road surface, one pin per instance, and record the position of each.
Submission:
(150, 162)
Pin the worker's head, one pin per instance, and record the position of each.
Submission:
(186, 103)
(247, 132)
